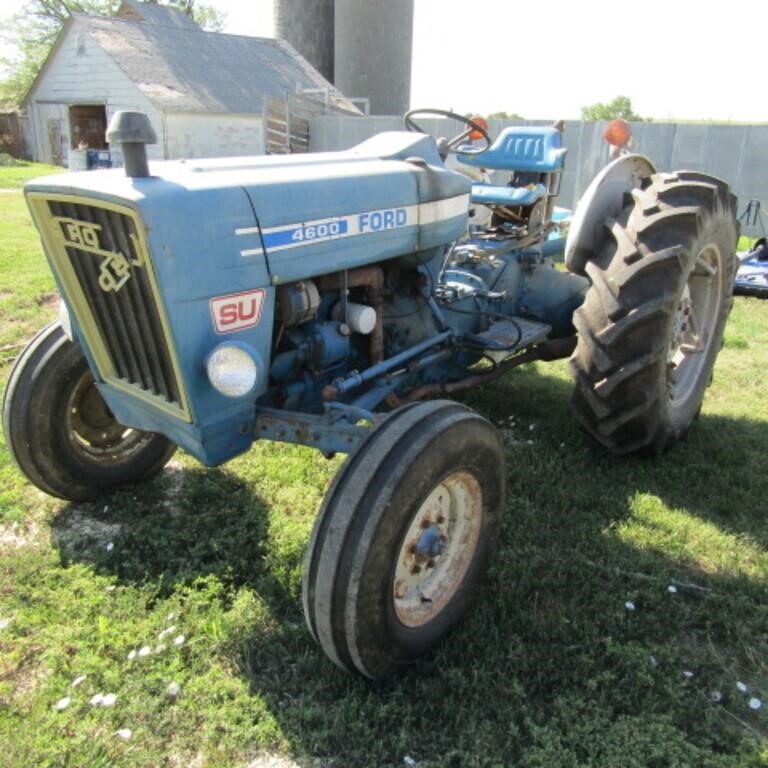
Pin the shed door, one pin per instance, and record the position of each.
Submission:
(51, 133)
(88, 126)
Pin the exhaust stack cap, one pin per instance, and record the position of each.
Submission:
(133, 131)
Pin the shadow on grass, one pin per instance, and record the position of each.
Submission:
(551, 667)
(185, 524)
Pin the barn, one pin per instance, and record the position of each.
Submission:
(207, 94)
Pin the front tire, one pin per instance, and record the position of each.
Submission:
(651, 325)
(60, 431)
(403, 537)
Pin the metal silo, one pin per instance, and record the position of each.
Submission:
(308, 26)
(372, 58)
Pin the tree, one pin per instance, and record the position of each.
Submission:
(621, 107)
(34, 29)
(505, 116)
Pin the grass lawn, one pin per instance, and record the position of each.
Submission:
(626, 607)
(15, 176)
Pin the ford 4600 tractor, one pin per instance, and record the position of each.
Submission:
(336, 300)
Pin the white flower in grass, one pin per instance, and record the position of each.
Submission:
(62, 704)
(742, 686)
(179, 640)
(160, 648)
(108, 700)
(755, 703)
(145, 650)
(173, 690)
(96, 699)
(131, 655)
(716, 697)
(167, 631)
(409, 761)
(124, 733)
(170, 617)
(4, 623)
(688, 673)
(78, 680)
(110, 546)
(629, 605)
(672, 589)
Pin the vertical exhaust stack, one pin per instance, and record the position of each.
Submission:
(133, 131)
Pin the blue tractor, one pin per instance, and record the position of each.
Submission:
(338, 300)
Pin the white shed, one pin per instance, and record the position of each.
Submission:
(207, 94)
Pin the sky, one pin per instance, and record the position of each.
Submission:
(675, 59)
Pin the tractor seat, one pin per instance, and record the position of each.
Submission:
(522, 148)
(491, 194)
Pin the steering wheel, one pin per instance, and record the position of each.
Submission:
(451, 145)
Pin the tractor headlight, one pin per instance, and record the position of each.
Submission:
(233, 369)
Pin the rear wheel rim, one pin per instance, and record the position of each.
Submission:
(438, 549)
(694, 326)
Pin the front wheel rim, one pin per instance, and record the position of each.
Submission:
(438, 549)
(92, 429)
(694, 326)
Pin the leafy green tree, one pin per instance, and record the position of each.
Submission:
(506, 116)
(33, 30)
(621, 106)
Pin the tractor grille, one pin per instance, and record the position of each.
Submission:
(111, 268)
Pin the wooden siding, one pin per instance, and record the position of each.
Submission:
(80, 72)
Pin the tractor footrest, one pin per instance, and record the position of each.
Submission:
(507, 337)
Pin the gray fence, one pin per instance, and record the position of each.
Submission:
(736, 153)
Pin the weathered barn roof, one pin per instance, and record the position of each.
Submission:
(163, 15)
(182, 68)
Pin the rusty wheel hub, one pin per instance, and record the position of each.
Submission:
(437, 549)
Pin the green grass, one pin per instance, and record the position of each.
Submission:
(549, 669)
(745, 243)
(15, 176)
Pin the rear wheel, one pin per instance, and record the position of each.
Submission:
(652, 322)
(403, 537)
(60, 431)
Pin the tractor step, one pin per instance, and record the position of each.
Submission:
(507, 337)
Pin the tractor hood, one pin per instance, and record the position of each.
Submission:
(290, 217)
(147, 266)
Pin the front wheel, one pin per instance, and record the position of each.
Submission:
(403, 537)
(652, 322)
(60, 431)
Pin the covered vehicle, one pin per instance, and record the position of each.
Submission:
(752, 275)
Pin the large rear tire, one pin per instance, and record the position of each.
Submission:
(60, 431)
(403, 537)
(651, 325)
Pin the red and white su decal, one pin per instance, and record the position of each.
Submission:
(237, 311)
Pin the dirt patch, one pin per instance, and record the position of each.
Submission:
(17, 535)
(80, 534)
(48, 299)
(174, 477)
(275, 761)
